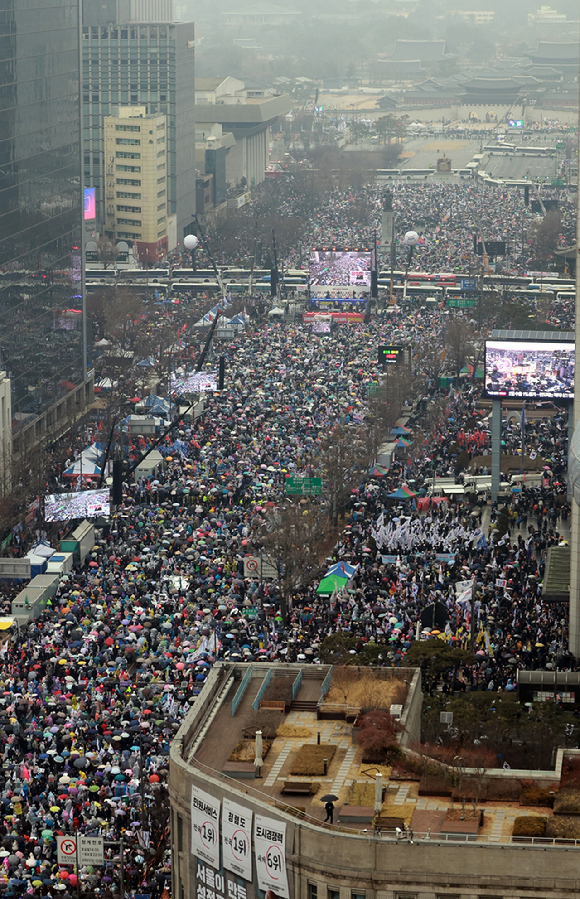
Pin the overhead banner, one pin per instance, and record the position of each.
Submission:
(270, 849)
(205, 816)
(237, 839)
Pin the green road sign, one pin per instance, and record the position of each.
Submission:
(303, 486)
(461, 303)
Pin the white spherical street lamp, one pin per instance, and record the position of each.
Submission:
(191, 243)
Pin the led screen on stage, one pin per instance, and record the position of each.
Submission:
(340, 268)
(529, 369)
(194, 382)
(81, 504)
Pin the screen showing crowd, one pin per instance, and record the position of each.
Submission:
(340, 268)
(529, 369)
(78, 504)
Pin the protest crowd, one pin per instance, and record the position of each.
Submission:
(92, 691)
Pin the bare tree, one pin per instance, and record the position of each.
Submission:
(292, 538)
(107, 251)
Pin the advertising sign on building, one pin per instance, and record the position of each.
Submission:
(213, 883)
(205, 816)
(270, 849)
(237, 839)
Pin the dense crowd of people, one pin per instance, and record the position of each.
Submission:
(93, 689)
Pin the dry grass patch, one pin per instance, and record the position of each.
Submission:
(244, 751)
(291, 730)
(364, 688)
(567, 802)
(390, 810)
(563, 828)
(533, 795)
(309, 760)
(361, 794)
(529, 826)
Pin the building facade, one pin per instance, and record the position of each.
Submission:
(42, 342)
(136, 181)
(150, 65)
(234, 837)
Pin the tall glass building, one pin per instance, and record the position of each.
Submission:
(41, 318)
(146, 64)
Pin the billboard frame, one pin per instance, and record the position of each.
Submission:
(521, 395)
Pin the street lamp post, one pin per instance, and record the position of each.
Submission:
(191, 243)
(411, 241)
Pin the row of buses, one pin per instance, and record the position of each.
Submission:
(414, 284)
(442, 285)
(235, 281)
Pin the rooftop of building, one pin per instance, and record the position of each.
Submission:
(254, 111)
(310, 716)
(261, 8)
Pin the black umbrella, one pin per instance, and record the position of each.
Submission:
(329, 797)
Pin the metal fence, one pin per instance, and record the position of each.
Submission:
(241, 690)
(325, 686)
(296, 685)
(262, 690)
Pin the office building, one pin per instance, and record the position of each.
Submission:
(149, 64)
(235, 836)
(136, 181)
(235, 129)
(42, 346)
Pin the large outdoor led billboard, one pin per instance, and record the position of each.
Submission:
(194, 382)
(81, 504)
(529, 369)
(340, 268)
(90, 206)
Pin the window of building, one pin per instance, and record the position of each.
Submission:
(134, 182)
(406, 895)
(135, 222)
(354, 895)
(160, 207)
(126, 195)
(128, 141)
(160, 193)
(312, 890)
(128, 168)
(128, 208)
(179, 833)
(332, 893)
(121, 155)
(160, 153)
(161, 220)
(161, 233)
(160, 168)
(129, 235)
(127, 127)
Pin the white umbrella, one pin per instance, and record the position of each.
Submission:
(258, 762)
(378, 793)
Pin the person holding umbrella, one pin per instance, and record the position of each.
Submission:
(329, 801)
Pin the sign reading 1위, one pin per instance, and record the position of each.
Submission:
(205, 815)
(237, 839)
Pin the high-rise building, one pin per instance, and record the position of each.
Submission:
(136, 181)
(42, 345)
(150, 64)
